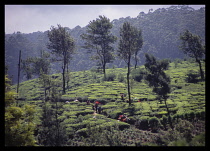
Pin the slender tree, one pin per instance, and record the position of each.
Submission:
(139, 44)
(130, 42)
(63, 46)
(99, 39)
(193, 47)
(19, 70)
(157, 79)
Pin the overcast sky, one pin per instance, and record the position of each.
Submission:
(33, 18)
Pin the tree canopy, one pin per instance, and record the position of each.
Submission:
(99, 39)
(62, 45)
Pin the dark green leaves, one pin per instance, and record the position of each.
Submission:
(156, 76)
(192, 45)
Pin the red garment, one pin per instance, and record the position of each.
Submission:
(97, 102)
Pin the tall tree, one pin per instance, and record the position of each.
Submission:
(63, 46)
(139, 44)
(99, 39)
(193, 47)
(157, 78)
(130, 42)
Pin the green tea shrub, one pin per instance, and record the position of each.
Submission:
(138, 74)
(85, 112)
(192, 77)
(181, 142)
(115, 114)
(142, 123)
(82, 132)
(198, 140)
(164, 121)
(120, 77)
(109, 77)
(131, 120)
(202, 115)
(154, 123)
(123, 125)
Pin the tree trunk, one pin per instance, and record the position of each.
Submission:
(67, 82)
(168, 112)
(128, 82)
(136, 61)
(201, 71)
(104, 70)
(19, 71)
(64, 81)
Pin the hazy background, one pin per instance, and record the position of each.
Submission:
(33, 18)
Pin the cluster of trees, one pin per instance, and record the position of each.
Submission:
(161, 29)
(102, 45)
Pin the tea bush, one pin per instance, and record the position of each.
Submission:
(120, 77)
(192, 77)
(109, 77)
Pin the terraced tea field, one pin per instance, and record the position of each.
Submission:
(186, 100)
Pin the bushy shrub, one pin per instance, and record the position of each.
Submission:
(109, 77)
(115, 114)
(154, 123)
(176, 61)
(123, 125)
(164, 121)
(192, 77)
(142, 123)
(120, 77)
(138, 74)
(198, 140)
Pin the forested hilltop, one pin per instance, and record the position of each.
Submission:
(160, 31)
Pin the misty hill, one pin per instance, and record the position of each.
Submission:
(161, 30)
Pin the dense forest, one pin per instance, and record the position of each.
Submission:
(160, 31)
(127, 82)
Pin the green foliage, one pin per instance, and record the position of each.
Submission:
(138, 74)
(99, 39)
(109, 77)
(156, 76)
(198, 140)
(63, 46)
(193, 47)
(19, 122)
(120, 77)
(154, 123)
(192, 76)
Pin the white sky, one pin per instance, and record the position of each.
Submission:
(33, 18)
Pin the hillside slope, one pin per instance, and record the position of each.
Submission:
(89, 85)
(148, 122)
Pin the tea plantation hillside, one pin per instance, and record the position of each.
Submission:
(148, 121)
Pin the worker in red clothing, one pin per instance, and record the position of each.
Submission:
(122, 118)
(96, 106)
